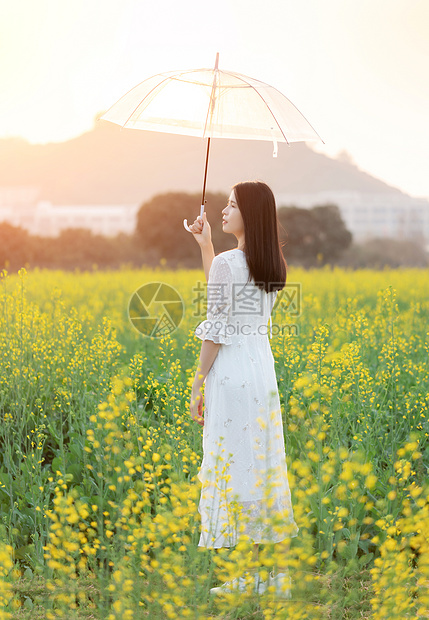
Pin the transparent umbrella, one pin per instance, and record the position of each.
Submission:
(211, 103)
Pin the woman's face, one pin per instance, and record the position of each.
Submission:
(232, 221)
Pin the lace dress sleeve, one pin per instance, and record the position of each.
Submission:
(219, 301)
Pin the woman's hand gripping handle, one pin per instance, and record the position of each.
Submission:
(201, 230)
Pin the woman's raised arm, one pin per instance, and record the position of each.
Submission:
(202, 234)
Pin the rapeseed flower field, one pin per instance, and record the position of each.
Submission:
(99, 456)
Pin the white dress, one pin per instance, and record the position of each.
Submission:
(243, 474)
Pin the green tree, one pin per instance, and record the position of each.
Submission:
(160, 230)
(299, 235)
(313, 236)
(333, 234)
(376, 253)
(81, 248)
(15, 247)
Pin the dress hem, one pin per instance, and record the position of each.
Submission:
(255, 542)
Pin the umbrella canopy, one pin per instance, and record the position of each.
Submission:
(211, 103)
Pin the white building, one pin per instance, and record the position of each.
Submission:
(365, 215)
(107, 220)
(369, 215)
(19, 206)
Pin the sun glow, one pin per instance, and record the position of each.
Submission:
(359, 71)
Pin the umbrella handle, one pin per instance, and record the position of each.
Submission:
(203, 201)
(185, 222)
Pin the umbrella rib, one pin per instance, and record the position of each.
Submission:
(172, 75)
(144, 99)
(244, 78)
(271, 112)
(212, 98)
(127, 93)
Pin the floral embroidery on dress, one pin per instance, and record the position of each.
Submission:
(241, 451)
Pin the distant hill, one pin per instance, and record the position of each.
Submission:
(109, 165)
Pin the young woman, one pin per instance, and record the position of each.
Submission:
(243, 472)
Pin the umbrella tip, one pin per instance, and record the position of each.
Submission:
(217, 61)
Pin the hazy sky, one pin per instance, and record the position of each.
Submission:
(357, 69)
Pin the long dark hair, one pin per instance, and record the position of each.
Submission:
(264, 255)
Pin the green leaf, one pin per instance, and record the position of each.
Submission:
(22, 552)
(57, 464)
(364, 545)
(75, 470)
(28, 603)
(365, 559)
